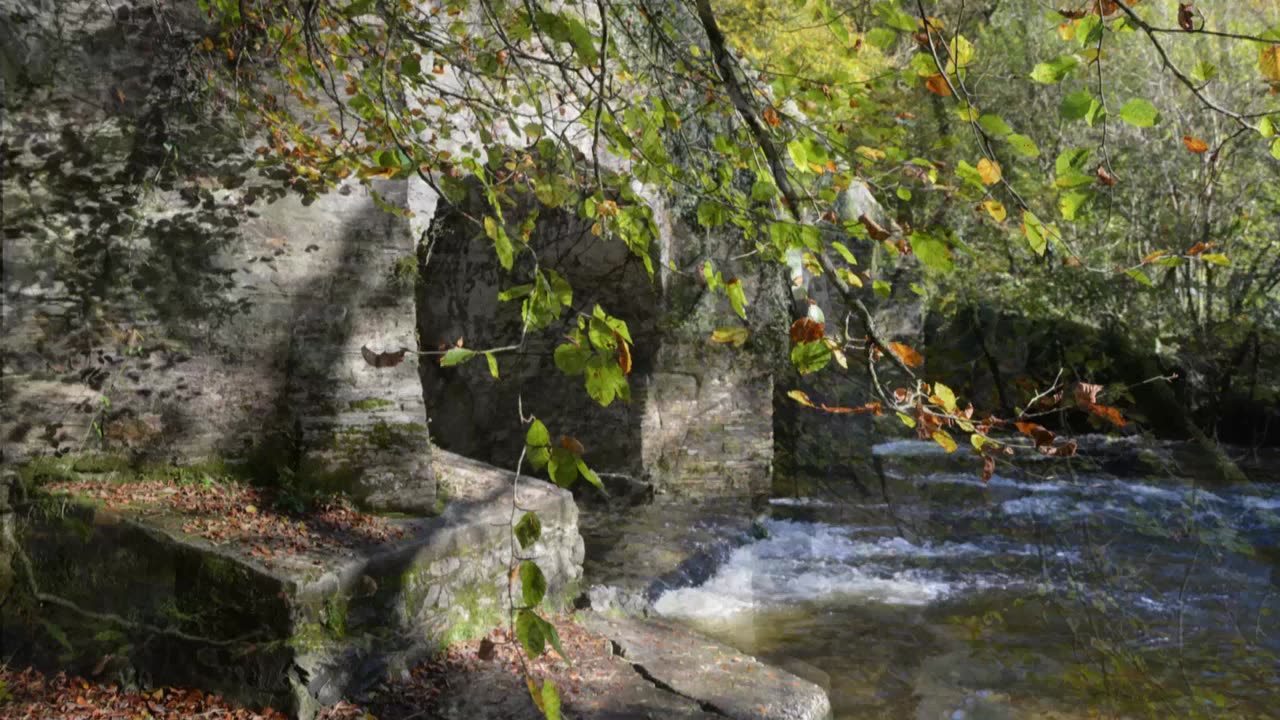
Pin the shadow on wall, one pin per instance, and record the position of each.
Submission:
(475, 415)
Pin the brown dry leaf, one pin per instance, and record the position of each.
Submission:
(1105, 177)
(806, 330)
(910, 357)
(874, 229)
(1086, 394)
(572, 445)
(1199, 248)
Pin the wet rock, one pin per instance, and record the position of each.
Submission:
(717, 677)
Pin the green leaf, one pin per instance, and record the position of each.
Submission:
(810, 357)
(969, 174)
(1023, 145)
(799, 156)
(882, 288)
(1140, 276)
(1266, 128)
(528, 531)
(571, 359)
(1140, 113)
(601, 335)
(710, 214)
(737, 298)
(605, 380)
(1217, 259)
(1069, 160)
(515, 293)
(1076, 105)
(903, 194)
(1095, 114)
(881, 38)
(1054, 70)
(589, 475)
(563, 467)
(533, 584)
(932, 251)
(537, 445)
(907, 420)
(995, 125)
(1037, 236)
(1071, 202)
(845, 253)
(493, 364)
(1203, 71)
(550, 697)
(553, 637)
(1275, 148)
(501, 243)
(456, 356)
(763, 190)
(530, 632)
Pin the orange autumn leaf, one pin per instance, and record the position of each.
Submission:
(624, 356)
(1042, 436)
(1106, 178)
(1199, 248)
(771, 117)
(1109, 414)
(937, 85)
(910, 357)
(1195, 144)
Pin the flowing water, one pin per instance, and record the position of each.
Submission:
(1046, 595)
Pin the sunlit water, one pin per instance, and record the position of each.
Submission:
(1043, 596)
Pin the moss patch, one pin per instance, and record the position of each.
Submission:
(369, 404)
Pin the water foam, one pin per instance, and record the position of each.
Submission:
(801, 562)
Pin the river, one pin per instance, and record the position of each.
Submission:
(1040, 594)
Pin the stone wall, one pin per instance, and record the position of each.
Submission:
(164, 300)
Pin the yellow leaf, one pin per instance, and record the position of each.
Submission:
(989, 171)
(944, 396)
(995, 209)
(945, 440)
(1067, 31)
(735, 336)
(800, 397)
(870, 153)
(1269, 63)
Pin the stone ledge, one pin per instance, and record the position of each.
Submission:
(716, 677)
(297, 630)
